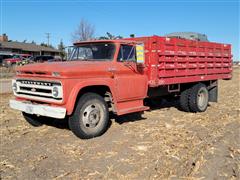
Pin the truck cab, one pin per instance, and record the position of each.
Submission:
(100, 77)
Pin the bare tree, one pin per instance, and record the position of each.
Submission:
(85, 31)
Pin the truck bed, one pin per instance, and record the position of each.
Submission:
(174, 61)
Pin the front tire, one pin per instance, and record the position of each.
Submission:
(32, 119)
(90, 118)
(198, 98)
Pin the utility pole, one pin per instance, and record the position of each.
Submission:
(48, 37)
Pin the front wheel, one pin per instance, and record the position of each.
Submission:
(90, 118)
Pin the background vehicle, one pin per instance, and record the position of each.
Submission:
(116, 76)
(15, 59)
(4, 56)
(39, 59)
(42, 58)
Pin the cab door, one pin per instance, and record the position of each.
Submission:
(130, 82)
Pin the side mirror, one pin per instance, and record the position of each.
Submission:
(140, 53)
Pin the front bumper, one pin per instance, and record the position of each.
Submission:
(38, 109)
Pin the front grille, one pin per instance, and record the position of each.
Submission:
(35, 90)
(39, 90)
(42, 83)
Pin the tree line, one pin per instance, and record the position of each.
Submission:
(86, 31)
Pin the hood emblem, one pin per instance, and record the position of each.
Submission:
(33, 90)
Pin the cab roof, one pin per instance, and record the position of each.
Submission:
(105, 41)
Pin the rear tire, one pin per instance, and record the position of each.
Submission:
(198, 98)
(184, 101)
(32, 119)
(90, 118)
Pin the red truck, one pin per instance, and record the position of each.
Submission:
(17, 58)
(116, 76)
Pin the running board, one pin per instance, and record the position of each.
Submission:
(132, 110)
(130, 106)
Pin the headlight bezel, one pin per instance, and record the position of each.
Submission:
(14, 86)
(58, 90)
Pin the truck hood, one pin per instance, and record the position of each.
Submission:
(67, 69)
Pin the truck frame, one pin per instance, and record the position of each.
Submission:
(116, 76)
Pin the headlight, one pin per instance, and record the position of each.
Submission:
(55, 91)
(14, 86)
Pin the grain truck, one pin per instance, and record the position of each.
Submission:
(116, 76)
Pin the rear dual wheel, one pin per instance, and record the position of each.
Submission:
(184, 102)
(195, 99)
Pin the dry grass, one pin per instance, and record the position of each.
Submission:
(7, 72)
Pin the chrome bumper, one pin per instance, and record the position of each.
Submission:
(43, 110)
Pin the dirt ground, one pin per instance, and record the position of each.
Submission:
(6, 73)
(163, 143)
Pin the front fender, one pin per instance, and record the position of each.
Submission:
(80, 85)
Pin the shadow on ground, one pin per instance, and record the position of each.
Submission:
(155, 104)
(58, 123)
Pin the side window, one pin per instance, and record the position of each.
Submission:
(126, 53)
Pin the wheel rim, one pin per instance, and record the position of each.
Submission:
(92, 115)
(202, 98)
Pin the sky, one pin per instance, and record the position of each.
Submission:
(31, 19)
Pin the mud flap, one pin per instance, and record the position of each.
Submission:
(213, 94)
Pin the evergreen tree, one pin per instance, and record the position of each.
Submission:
(61, 48)
(109, 36)
(44, 44)
(132, 35)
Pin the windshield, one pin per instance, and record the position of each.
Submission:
(93, 52)
(16, 56)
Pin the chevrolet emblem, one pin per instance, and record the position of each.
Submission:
(33, 90)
